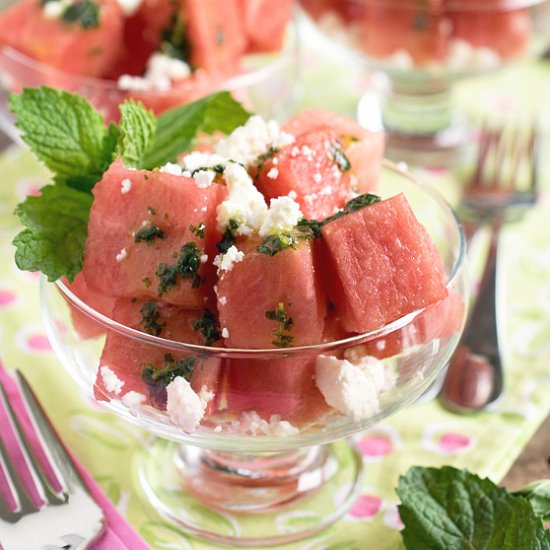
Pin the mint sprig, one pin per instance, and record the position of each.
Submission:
(71, 138)
(450, 509)
(538, 494)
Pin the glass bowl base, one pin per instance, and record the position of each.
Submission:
(245, 500)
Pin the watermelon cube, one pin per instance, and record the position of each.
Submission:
(216, 34)
(61, 44)
(130, 359)
(311, 170)
(149, 236)
(272, 301)
(364, 149)
(382, 264)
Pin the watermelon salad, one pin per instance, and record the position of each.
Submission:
(469, 35)
(267, 238)
(163, 52)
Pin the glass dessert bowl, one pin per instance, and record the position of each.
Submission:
(257, 439)
(418, 50)
(262, 73)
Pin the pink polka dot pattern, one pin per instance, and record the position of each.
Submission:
(375, 446)
(7, 298)
(38, 342)
(366, 507)
(453, 442)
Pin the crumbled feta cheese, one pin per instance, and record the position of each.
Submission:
(121, 255)
(244, 203)
(292, 194)
(283, 214)
(251, 422)
(353, 389)
(217, 429)
(129, 7)
(196, 160)
(125, 186)
(171, 168)
(54, 10)
(161, 71)
(204, 258)
(222, 300)
(204, 178)
(273, 173)
(225, 333)
(133, 401)
(246, 143)
(184, 407)
(112, 383)
(401, 59)
(317, 178)
(225, 262)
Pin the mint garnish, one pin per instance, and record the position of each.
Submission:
(71, 138)
(450, 509)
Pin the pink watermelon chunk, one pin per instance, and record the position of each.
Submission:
(261, 283)
(265, 23)
(216, 34)
(63, 45)
(383, 265)
(136, 239)
(127, 357)
(312, 170)
(363, 148)
(284, 387)
(85, 326)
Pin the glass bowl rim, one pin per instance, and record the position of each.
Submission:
(277, 61)
(134, 334)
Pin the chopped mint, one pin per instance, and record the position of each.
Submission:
(538, 494)
(198, 230)
(285, 323)
(309, 228)
(276, 243)
(148, 234)
(83, 12)
(226, 242)
(55, 235)
(178, 127)
(209, 327)
(151, 318)
(450, 509)
(354, 205)
(186, 267)
(137, 131)
(340, 159)
(264, 157)
(157, 379)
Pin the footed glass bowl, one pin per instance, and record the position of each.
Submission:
(418, 50)
(265, 446)
(268, 84)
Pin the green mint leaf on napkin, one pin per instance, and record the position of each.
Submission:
(56, 228)
(450, 509)
(136, 133)
(538, 494)
(65, 132)
(178, 127)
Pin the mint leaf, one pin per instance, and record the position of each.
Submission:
(450, 509)
(65, 132)
(538, 494)
(137, 131)
(55, 235)
(177, 128)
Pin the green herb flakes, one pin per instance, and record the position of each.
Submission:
(151, 319)
(340, 158)
(209, 327)
(226, 242)
(285, 323)
(148, 234)
(186, 267)
(84, 12)
(276, 243)
(198, 230)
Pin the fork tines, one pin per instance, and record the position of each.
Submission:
(53, 458)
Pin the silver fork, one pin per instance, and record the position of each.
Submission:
(67, 519)
(502, 188)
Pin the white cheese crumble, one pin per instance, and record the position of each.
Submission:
(133, 400)
(244, 203)
(194, 161)
(54, 10)
(283, 214)
(125, 186)
(129, 7)
(273, 173)
(112, 383)
(204, 258)
(353, 389)
(222, 300)
(204, 178)
(184, 407)
(217, 429)
(246, 143)
(292, 194)
(122, 255)
(317, 178)
(225, 333)
(252, 423)
(225, 262)
(171, 168)
(161, 71)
